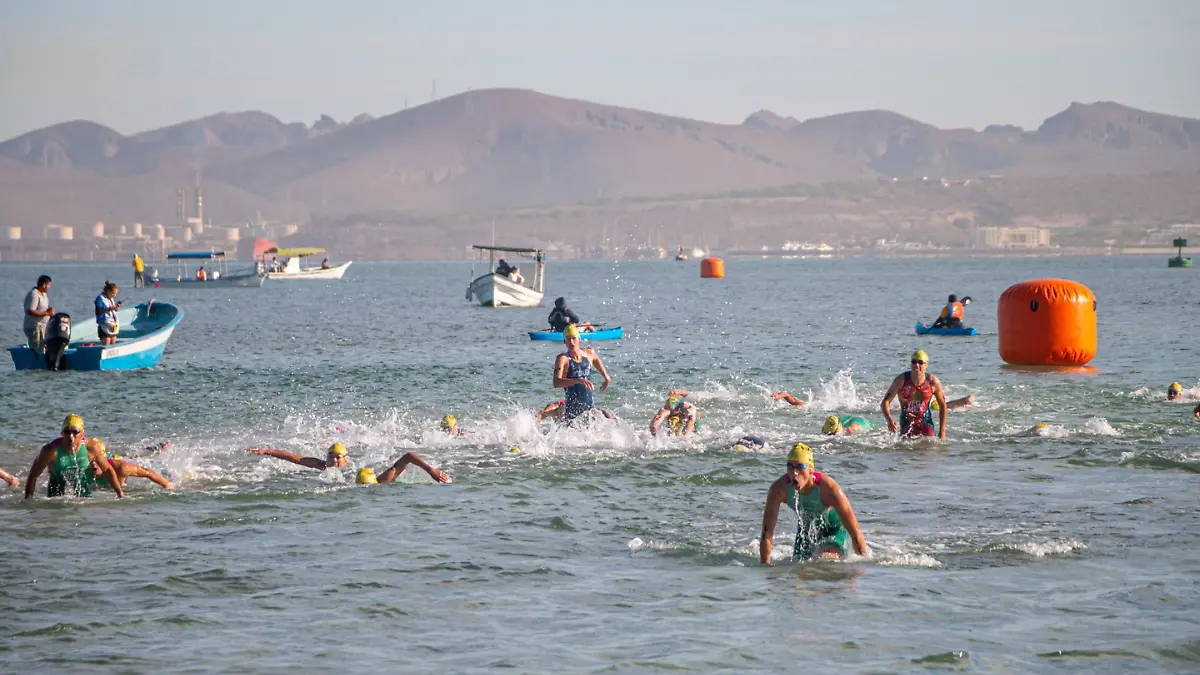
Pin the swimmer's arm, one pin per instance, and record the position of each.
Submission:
(412, 458)
(887, 401)
(12, 480)
(310, 462)
(561, 381)
(784, 396)
(45, 456)
(603, 371)
(833, 497)
(942, 408)
(101, 459)
(766, 538)
(963, 402)
(548, 410)
(135, 471)
(657, 420)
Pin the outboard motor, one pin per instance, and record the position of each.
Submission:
(58, 336)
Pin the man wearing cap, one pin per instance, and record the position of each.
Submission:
(366, 475)
(826, 525)
(337, 458)
(69, 458)
(916, 389)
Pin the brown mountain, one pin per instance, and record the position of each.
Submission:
(506, 147)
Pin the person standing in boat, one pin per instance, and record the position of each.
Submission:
(37, 314)
(562, 316)
(139, 271)
(917, 390)
(573, 371)
(106, 313)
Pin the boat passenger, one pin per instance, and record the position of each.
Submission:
(784, 396)
(847, 424)
(514, 275)
(572, 371)
(325, 263)
(503, 268)
(555, 409)
(562, 316)
(1174, 391)
(69, 458)
(916, 390)
(125, 470)
(7, 477)
(106, 314)
(367, 476)
(201, 275)
(681, 417)
(826, 525)
(952, 313)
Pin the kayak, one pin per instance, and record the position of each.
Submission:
(925, 329)
(614, 333)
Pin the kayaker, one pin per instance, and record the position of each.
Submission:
(7, 477)
(125, 470)
(952, 313)
(825, 523)
(107, 305)
(69, 458)
(681, 417)
(562, 316)
(555, 409)
(784, 396)
(337, 458)
(572, 371)
(367, 476)
(916, 390)
(847, 424)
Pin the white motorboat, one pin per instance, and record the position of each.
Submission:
(217, 275)
(498, 288)
(290, 268)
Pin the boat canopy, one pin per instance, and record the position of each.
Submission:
(196, 255)
(293, 252)
(507, 249)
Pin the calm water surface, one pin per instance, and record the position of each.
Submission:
(604, 549)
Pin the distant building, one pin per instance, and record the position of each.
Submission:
(1012, 237)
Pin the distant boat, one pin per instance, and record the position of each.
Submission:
(498, 290)
(681, 255)
(140, 343)
(292, 270)
(219, 276)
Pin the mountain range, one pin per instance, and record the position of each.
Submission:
(510, 147)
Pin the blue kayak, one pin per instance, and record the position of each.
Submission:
(601, 334)
(925, 329)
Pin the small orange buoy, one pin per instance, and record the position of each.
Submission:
(1047, 322)
(712, 268)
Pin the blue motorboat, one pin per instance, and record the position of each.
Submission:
(926, 329)
(144, 331)
(614, 333)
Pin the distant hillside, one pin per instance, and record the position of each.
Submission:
(510, 147)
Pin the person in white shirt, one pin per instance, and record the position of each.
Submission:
(515, 275)
(37, 314)
(106, 314)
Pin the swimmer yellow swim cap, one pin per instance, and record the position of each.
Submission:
(570, 331)
(672, 402)
(801, 453)
(832, 425)
(366, 476)
(73, 421)
(1175, 386)
(338, 449)
(934, 405)
(514, 450)
(920, 355)
(1041, 425)
(741, 448)
(448, 422)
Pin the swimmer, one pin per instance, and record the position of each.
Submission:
(1174, 391)
(749, 442)
(826, 525)
(847, 424)
(916, 390)
(554, 409)
(1039, 429)
(784, 396)
(1196, 412)
(964, 402)
(7, 477)
(366, 475)
(125, 470)
(335, 458)
(682, 417)
(573, 371)
(68, 459)
(450, 426)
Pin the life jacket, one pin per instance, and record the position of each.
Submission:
(953, 310)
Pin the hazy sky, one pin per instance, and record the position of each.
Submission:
(136, 65)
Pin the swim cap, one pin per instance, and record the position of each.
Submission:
(801, 453)
(73, 421)
(570, 331)
(514, 450)
(338, 449)
(832, 425)
(920, 355)
(366, 476)
(1176, 387)
(448, 422)
(1041, 425)
(741, 448)
(672, 402)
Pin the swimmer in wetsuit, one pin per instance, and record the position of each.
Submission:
(847, 424)
(826, 527)
(749, 442)
(572, 371)
(337, 458)
(916, 390)
(68, 459)
(366, 475)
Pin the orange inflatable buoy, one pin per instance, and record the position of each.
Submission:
(712, 268)
(1047, 322)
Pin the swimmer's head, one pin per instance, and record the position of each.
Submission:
(1174, 391)
(832, 425)
(741, 448)
(515, 450)
(920, 356)
(449, 423)
(366, 476)
(571, 331)
(800, 456)
(953, 298)
(73, 422)
(1041, 425)
(337, 455)
(672, 402)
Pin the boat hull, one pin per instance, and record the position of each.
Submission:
(141, 343)
(925, 329)
(493, 290)
(595, 335)
(1179, 261)
(234, 280)
(313, 273)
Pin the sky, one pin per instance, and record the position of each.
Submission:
(136, 65)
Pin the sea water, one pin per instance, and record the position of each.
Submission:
(604, 549)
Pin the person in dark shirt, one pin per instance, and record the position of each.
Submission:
(562, 316)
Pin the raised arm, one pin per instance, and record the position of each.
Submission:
(766, 538)
(833, 497)
(412, 458)
(784, 396)
(600, 367)
(942, 407)
(885, 405)
(310, 462)
(40, 463)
